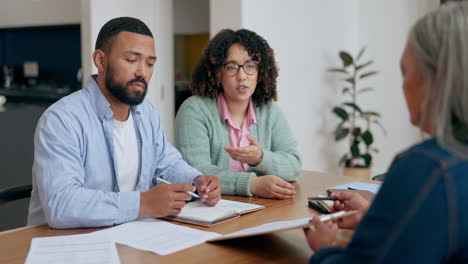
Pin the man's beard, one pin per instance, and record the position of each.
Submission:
(123, 93)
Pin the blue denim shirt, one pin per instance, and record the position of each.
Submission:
(75, 181)
(418, 216)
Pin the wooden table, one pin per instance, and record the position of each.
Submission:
(281, 247)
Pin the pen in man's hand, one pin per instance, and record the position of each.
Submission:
(166, 182)
(322, 198)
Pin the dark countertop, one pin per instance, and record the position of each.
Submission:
(17, 123)
(33, 94)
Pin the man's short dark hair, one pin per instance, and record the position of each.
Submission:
(117, 25)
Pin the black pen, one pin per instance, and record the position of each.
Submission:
(322, 198)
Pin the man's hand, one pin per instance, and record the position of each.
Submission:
(209, 189)
(271, 186)
(252, 154)
(164, 199)
(347, 201)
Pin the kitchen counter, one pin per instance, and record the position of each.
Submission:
(17, 124)
(39, 93)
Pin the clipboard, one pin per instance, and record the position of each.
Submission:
(280, 226)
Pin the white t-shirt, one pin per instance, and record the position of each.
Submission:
(126, 154)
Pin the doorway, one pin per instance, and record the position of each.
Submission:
(191, 35)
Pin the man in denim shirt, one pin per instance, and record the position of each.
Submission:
(98, 151)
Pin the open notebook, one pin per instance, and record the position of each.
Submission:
(198, 213)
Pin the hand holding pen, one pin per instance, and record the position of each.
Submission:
(348, 201)
(209, 189)
(165, 199)
(160, 180)
(345, 200)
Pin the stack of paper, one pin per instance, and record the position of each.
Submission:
(152, 235)
(86, 248)
(157, 236)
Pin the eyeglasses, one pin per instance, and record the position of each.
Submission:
(250, 68)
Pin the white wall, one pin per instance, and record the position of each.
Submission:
(225, 14)
(383, 28)
(306, 36)
(191, 16)
(157, 14)
(22, 13)
(163, 96)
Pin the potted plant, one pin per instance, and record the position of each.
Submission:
(355, 123)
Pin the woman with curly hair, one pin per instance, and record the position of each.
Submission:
(232, 127)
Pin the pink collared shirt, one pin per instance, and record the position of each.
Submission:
(237, 135)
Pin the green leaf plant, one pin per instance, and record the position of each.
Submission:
(355, 123)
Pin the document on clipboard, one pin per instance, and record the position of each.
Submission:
(280, 226)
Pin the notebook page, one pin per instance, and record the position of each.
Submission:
(238, 206)
(199, 210)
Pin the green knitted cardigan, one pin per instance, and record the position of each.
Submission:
(201, 135)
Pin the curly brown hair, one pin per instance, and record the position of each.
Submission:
(206, 78)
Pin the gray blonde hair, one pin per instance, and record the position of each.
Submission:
(440, 42)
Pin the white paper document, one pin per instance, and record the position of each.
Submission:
(266, 228)
(157, 236)
(74, 249)
(153, 235)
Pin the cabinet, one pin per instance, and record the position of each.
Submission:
(21, 13)
(17, 125)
